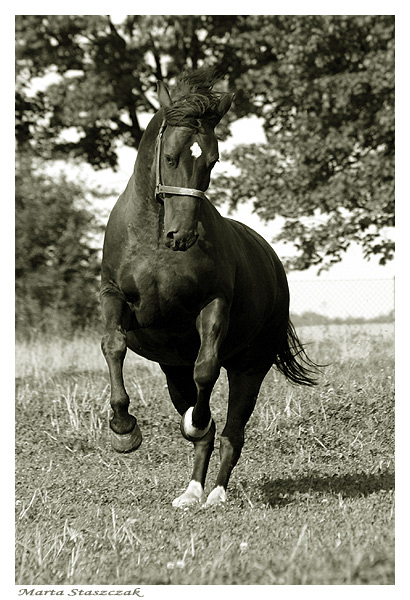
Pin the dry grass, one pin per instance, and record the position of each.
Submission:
(311, 501)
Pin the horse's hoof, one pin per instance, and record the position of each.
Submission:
(216, 497)
(126, 442)
(188, 429)
(194, 494)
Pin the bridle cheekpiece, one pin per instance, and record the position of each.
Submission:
(161, 189)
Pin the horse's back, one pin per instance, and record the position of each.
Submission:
(259, 271)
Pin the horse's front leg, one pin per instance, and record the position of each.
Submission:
(197, 425)
(244, 388)
(183, 392)
(212, 325)
(125, 433)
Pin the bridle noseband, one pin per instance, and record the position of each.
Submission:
(169, 189)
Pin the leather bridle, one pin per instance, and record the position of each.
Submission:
(169, 189)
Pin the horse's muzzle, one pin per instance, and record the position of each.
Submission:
(176, 241)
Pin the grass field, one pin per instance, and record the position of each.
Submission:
(310, 502)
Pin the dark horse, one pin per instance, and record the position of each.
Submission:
(191, 290)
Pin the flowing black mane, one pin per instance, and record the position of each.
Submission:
(195, 100)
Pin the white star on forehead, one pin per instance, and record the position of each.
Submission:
(196, 150)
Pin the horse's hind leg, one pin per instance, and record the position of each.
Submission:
(125, 433)
(183, 392)
(243, 391)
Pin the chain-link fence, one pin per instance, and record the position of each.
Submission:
(323, 300)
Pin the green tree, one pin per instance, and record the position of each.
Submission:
(325, 91)
(57, 264)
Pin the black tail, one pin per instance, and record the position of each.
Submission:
(293, 361)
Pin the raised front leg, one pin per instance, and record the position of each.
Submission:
(125, 433)
(191, 389)
(183, 392)
(212, 325)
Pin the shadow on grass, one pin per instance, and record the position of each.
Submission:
(279, 492)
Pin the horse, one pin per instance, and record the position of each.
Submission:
(192, 290)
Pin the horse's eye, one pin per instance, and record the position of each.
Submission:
(170, 161)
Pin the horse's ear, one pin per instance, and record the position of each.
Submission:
(225, 104)
(223, 107)
(163, 94)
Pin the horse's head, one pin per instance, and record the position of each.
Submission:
(187, 150)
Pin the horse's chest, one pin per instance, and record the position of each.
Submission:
(160, 293)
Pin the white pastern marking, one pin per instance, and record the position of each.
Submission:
(193, 494)
(190, 428)
(217, 496)
(196, 150)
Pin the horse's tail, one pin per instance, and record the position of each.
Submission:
(293, 361)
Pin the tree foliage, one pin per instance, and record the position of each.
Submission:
(105, 77)
(57, 265)
(326, 97)
(323, 86)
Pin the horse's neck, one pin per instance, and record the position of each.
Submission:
(144, 210)
(144, 169)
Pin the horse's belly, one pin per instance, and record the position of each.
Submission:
(160, 346)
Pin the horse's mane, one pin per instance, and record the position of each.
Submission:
(195, 100)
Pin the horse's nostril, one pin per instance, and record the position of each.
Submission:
(171, 240)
